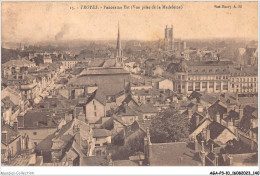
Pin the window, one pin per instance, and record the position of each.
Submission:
(232, 85)
(95, 114)
(211, 85)
(225, 86)
(190, 87)
(34, 133)
(204, 85)
(218, 86)
(93, 102)
(95, 107)
(197, 86)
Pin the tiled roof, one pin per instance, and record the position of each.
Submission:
(216, 129)
(246, 71)
(98, 96)
(95, 161)
(109, 63)
(103, 71)
(246, 159)
(124, 163)
(172, 154)
(101, 133)
(64, 136)
(7, 102)
(125, 110)
(215, 109)
(208, 98)
(96, 62)
(148, 108)
(19, 63)
(232, 115)
(43, 118)
(193, 121)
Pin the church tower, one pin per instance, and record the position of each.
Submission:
(119, 52)
(168, 39)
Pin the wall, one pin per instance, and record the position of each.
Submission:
(129, 119)
(225, 136)
(42, 133)
(14, 148)
(90, 111)
(166, 84)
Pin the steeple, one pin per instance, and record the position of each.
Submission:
(118, 47)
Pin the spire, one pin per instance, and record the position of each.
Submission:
(118, 47)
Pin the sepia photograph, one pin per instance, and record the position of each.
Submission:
(129, 83)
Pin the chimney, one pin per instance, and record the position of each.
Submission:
(4, 137)
(199, 108)
(252, 123)
(109, 156)
(197, 120)
(20, 121)
(217, 117)
(196, 145)
(189, 114)
(240, 68)
(225, 96)
(15, 126)
(212, 148)
(229, 160)
(202, 147)
(140, 162)
(230, 125)
(76, 131)
(203, 154)
(216, 160)
(68, 117)
(207, 135)
(241, 112)
(148, 135)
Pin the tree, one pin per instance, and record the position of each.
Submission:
(170, 126)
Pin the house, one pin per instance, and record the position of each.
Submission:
(126, 114)
(247, 130)
(145, 96)
(95, 161)
(68, 145)
(95, 107)
(12, 142)
(147, 111)
(165, 84)
(169, 154)
(102, 139)
(37, 125)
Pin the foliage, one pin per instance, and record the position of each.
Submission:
(170, 126)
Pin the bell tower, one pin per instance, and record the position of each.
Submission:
(119, 52)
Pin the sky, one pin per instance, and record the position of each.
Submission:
(47, 21)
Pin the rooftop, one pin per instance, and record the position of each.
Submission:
(103, 71)
(172, 154)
